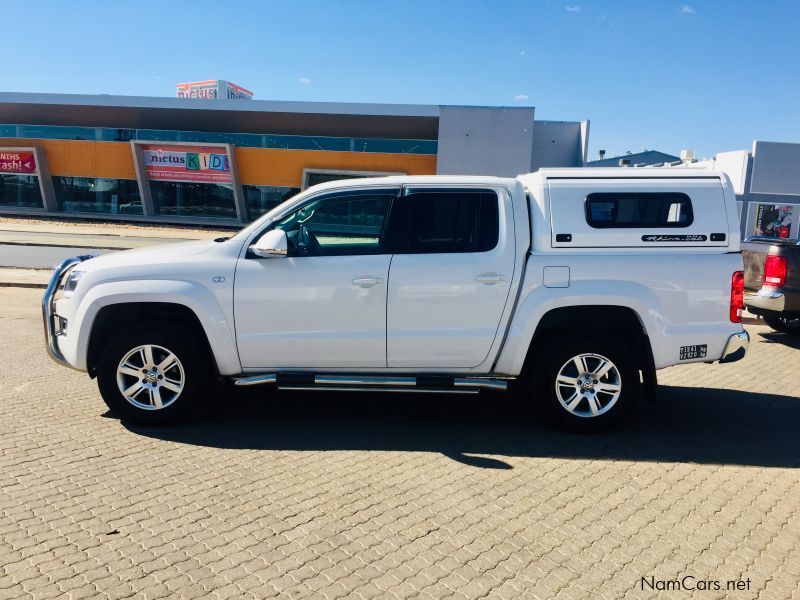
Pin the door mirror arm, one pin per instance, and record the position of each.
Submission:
(272, 244)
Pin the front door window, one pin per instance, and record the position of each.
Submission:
(341, 224)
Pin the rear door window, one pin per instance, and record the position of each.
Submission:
(434, 221)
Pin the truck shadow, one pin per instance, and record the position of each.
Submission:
(773, 337)
(682, 425)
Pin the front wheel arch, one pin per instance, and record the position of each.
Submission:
(111, 319)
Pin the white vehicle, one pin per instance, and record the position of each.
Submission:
(570, 285)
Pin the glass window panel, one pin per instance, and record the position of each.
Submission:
(106, 134)
(394, 146)
(154, 135)
(57, 132)
(446, 221)
(20, 191)
(261, 199)
(313, 178)
(98, 195)
(338, 224)
(182, 199)
(253, 140)
(638, 210)
(773, 220)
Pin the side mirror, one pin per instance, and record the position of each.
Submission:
(272, 244)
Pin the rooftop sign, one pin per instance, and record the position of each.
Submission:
(212, 89)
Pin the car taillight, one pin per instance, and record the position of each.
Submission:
(775, 271)
(737, 296)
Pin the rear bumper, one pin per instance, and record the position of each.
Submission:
(766, 300)
(736, 347)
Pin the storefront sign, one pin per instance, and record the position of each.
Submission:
(23, 162)
(207, 164)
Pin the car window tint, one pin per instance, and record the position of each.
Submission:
(338, 224)
(634, 209)
(444, 221)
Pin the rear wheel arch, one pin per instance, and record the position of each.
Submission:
(594, 319)
(115, 318)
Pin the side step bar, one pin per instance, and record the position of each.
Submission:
(357, 383)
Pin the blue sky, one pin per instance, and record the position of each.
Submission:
(665, 75)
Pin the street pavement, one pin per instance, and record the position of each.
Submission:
(28, 244)
(393, 496)
(81, 240)
(40, 257)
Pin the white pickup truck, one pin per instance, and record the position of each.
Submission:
(570, 285)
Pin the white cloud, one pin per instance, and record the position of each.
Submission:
(685, 9)
(520, 97)
(574, 8)
(304, 80)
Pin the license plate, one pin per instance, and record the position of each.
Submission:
(690, 352)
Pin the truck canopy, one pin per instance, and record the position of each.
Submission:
(633, 208)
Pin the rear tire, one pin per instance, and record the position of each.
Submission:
(154, 373)
(783, 324)
(589, 384)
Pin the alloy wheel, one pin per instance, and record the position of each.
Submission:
(150, 377)
(588, 385)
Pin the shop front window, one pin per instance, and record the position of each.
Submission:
(263, 198)
(98, 195)
(317, 177)
(183, 199)
(20, 191)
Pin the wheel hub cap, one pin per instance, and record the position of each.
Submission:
(588, 385)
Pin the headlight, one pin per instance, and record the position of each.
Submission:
(71, 282)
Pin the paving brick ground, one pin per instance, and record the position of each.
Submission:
(330, 496)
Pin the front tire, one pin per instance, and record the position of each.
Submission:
(589, 384)
(153, 374)
(783, 324)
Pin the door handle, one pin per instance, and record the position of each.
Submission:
(489, 278)
(366, 282)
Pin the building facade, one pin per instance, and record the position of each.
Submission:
(767, 186)
(228, 162)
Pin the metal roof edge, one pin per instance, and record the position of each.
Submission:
(281, 106)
